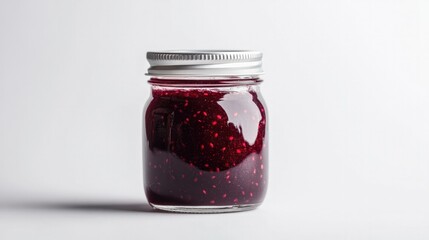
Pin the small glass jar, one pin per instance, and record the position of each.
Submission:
(205, 138)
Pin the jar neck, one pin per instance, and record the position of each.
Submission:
(205, 81)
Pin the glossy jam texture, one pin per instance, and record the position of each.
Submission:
(205, 146)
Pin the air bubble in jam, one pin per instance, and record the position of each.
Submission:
(205, 146)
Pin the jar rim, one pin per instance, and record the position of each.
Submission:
(203, 82)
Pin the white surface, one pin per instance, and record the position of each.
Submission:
(347, 87)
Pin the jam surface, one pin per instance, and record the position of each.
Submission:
(205, 146)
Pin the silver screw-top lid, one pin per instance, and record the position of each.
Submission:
(205, 63)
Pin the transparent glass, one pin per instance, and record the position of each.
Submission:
(205, 145)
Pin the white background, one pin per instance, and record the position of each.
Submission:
(347, 86)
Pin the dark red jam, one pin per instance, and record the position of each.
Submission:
(205, 144)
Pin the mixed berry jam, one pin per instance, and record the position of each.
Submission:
(205, 144)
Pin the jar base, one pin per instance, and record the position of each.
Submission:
(205, 209)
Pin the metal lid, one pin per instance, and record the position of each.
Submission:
(205, 63)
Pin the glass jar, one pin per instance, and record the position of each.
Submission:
(205, 139)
